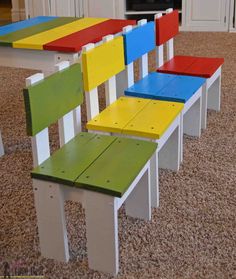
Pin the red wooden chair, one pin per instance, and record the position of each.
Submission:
(167, 27)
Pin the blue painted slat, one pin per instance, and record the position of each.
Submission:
(139, 41)
(151, 84)
(177, 89)
(6, 29)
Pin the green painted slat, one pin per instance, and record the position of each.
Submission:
(7, 40)
(114, 171)
(69, 162)
(52, 98)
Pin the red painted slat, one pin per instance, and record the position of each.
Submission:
(167, 27)
(204, 67)
(93, 34)
(192, 66)
(177, 64)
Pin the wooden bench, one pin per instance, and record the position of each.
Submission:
(158, 86)
(102, 172)
(167, 27)
(156, 121)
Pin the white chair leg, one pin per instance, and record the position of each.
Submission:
(169, 155)
(1, 146)
(49, 203)
(214, 93)
(181, 146)
(192, 120)
(204, 107)
(138, 203)
(154, 179)
(102, 232)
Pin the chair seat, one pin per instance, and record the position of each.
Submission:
(95, 162)
(136, 117)
(167, 87)
(192, 66)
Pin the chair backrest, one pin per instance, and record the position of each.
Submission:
(101, 64)
(167, 27)
(48, 100)
(138, 40)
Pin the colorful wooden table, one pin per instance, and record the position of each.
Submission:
(39, 43)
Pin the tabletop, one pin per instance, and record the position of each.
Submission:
(64, 34)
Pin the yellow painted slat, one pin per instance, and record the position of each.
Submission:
(102, 63)
(37, 41)
(115, 117)
(154, 119)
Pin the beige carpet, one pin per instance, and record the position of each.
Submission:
(193, 233)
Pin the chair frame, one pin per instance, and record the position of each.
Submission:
(100, 209)
(168, 154)
(211, 93)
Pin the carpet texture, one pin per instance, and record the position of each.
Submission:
(193, 233)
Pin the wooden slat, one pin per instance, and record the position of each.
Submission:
(52, 98)
(102, 63)
(93, 34)
(69, 162)
(167, 27)
(139, 41)
(13, 27)
(8, 39)
(174, 88)
(114, 171)
(39, 40)
(115, 117)
(154, 119)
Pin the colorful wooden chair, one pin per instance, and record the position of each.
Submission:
(153, 120)
(102, 172)
(1, 146)
(167, 27)
(158, 86)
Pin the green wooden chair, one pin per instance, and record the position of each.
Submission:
(102, 172)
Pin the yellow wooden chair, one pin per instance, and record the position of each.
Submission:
(152, 120)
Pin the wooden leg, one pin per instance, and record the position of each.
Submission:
(49, 203)
(204, 107)
(169, 155)
(1, 146)
(154, 180)
(192, 120)
(138, 203)
(102, 232)
(214, 94)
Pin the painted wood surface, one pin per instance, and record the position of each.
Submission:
(62, 90)
(10, 38)
(39, 40)
(160, 86)
(74, 42)
(138, 42)
(167, 27)
(102, 63)
(13, 27)
(193, 66)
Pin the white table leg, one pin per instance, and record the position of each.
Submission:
(49, 203)
(154, 180)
